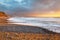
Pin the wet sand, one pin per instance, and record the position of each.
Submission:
(5, 27)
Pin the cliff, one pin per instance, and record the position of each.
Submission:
(3, 17)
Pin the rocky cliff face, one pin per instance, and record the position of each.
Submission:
(2, 14)
(3, 17)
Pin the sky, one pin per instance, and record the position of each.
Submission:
(29, 6)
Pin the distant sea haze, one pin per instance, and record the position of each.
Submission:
(51, 24)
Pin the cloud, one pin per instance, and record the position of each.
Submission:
(19, 0)
(14, 3)
(29, 5)
(41, 5)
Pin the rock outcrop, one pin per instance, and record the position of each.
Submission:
(2, 14)
(3, 17)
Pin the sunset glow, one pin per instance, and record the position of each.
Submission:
(48, 14)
